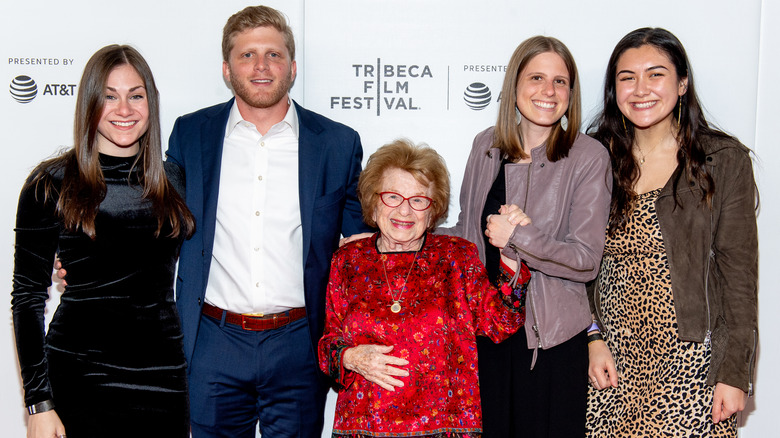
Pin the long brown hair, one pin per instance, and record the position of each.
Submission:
(617, 132)
(507, 132)
(83, 185)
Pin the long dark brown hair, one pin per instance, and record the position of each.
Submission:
(507, 133)
(83, 185)
(617, 133)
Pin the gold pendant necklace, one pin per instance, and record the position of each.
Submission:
(396, 306)
(642, 159)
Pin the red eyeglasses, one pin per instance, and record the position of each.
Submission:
(393, 199)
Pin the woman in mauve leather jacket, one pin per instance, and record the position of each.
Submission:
(677, 290)
(557, 182)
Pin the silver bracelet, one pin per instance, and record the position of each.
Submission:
(46, 405)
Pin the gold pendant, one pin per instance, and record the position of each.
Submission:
(396, 307)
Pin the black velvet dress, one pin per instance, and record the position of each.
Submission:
(112, 360)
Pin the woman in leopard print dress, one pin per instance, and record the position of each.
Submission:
(676, 293)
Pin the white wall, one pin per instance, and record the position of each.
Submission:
(761, 422)
(439, 46)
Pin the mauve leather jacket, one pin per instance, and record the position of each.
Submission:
(713, 259)
(568, 203)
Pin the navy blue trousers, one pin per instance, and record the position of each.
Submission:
(243, 380)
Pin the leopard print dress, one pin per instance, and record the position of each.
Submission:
(662, 390)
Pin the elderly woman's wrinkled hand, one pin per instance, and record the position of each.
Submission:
(373, 363)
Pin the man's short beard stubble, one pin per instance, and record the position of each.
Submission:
(263, 101)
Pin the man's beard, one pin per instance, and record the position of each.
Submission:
(242, 90)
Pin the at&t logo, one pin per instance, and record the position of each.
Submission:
(477, 96)
(23, 89)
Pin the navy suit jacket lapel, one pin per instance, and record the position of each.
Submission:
(213, 137)
(310, 161)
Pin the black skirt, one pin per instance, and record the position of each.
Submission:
(546, 402)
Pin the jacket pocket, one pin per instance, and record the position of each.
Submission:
(328, 199)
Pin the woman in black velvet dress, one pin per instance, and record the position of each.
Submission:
(111, 363)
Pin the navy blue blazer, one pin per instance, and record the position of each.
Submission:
(329, 157)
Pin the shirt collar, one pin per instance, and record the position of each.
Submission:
(291, 119)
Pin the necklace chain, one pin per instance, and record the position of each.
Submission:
(642, 160)
(396, 306)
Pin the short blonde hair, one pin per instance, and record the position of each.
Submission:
(421, 161)
(252, 17)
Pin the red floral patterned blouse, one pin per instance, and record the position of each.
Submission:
(447, 302)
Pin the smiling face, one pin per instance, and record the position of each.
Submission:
(647, 87)
(402, 227)
(259, 67)
(125, 116)
(543, 90)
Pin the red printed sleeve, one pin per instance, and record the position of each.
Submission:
(497, 314)
(333, 344)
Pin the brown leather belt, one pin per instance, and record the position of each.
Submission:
(253, 322)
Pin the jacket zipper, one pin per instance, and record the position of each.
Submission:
(752, 364)
(710, 254)
(527, 186)
(530, 302)
(516, 249)
(535, 327)
(525, 205)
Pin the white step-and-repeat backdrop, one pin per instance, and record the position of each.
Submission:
(389, 68)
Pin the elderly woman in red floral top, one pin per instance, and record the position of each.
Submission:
(404, 308)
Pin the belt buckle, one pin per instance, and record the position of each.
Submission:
(244, 320)
(246, 317)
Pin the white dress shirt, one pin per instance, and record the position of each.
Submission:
(257, 262)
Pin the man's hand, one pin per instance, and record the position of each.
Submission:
(359, 236)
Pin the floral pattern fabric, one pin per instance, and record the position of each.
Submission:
(447, 301)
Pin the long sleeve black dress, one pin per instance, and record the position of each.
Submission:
(112, 359)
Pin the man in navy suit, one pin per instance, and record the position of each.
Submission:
(272, 187)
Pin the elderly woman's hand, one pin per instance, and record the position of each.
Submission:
(373, 363)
